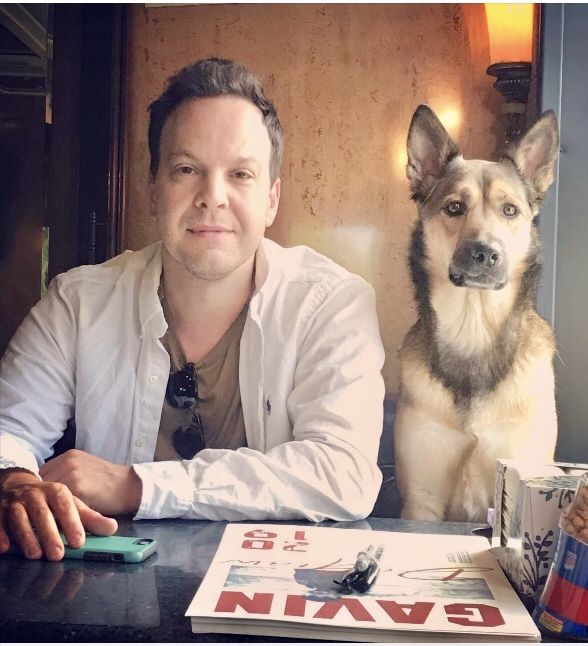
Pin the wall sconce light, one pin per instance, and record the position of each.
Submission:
(510, 30)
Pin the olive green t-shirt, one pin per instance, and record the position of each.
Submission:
(219, 397)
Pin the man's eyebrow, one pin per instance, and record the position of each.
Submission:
(183, 153)
(187, 154)
(247, 160)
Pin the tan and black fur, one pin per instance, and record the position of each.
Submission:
(477, 378)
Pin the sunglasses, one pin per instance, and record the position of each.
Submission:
(182, 392)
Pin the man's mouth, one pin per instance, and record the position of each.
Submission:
(203, 230)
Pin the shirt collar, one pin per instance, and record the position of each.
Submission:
(261, 265)
(149, 303)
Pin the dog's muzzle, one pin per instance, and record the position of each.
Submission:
(479, 265)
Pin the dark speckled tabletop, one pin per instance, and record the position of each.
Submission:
(78, 601)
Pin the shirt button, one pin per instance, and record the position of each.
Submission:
(154, 379)
(139, 442)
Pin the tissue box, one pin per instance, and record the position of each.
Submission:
(529, 500)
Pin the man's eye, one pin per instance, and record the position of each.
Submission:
(455, 208)
(242, 174)
(510, 210)
(184, 170)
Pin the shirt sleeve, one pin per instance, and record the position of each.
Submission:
(37, 382)
(329, 470)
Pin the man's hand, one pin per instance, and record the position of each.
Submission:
(27, 504)
(106, 487)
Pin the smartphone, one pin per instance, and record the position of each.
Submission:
(112, 549)
(107, 549)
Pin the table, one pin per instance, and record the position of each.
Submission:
(78, 601)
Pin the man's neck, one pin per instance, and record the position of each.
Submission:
(201, 311)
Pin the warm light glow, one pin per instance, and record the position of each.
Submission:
(400, 158)
(451, 119)
(510, 29)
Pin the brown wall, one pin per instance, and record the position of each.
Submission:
(346, 79)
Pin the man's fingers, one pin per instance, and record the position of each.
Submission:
(64, 507)
(24, 506)
(23, 531)
(41, 516)
(94, 521)
(44, 506)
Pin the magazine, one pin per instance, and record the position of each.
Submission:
(279, 580)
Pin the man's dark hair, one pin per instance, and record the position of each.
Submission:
(214, 77)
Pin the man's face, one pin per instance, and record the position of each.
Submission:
(212, 194)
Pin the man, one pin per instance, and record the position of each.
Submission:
(213, 374)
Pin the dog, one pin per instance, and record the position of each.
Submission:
(477, 381)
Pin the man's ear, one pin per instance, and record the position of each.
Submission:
(274, 200)
(535, 153)
(429, 148)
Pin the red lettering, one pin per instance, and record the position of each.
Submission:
(407, 613)
(490, 616)
(300, 535)
(295, 547)
(295, 605)
(257, 545)
(260, 533)
(355, 607)
(260, 604)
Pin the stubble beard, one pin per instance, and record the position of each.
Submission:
(206, 265)
(212, 269)
(202, 272)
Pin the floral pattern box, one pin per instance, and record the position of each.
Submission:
(528, 503)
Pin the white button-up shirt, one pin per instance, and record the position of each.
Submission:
(309, 374)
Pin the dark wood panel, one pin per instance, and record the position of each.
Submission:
(64, 141)
(84, 186)
(22, 141)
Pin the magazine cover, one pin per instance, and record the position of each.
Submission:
(279, 580)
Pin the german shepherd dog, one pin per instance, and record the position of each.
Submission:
(477, 379)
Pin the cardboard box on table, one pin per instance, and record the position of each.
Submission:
(528, 502)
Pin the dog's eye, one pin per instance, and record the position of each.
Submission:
(510, 210)
(455, 208)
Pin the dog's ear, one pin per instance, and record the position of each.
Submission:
(535, 154)
(430, 148)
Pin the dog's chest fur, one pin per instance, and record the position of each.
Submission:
(493, 422)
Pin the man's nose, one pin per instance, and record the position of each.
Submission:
(212, 192)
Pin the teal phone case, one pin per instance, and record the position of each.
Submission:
(113, 549)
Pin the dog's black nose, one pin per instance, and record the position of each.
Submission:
(484, 255)
(482, 265)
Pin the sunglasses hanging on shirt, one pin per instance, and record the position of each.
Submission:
(182, 387)
(182, 392)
